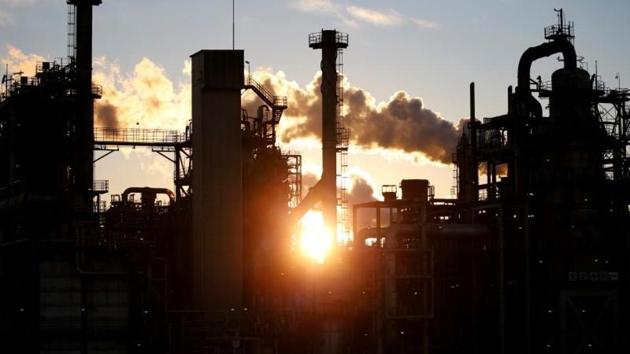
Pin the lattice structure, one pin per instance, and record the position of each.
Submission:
(562, 31)
(613, 110)
(294, 163)
(276, 103)
(343, 137)
(160, 141)
(137, 136)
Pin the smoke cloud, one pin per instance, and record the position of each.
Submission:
(19, 62)
(146, 98)
(401, 123)
(360, 191)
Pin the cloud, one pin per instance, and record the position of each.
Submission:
(146, 97)
(402, 123)
(18, 61)
(353, 15)
(374, 17)
(361, 191)
(187, 69)
(420, 23)
(314, 5)
(326, 8)
(309, 179)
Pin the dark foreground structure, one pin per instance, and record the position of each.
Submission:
(531, 257)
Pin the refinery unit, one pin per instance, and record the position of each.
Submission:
(531, 256)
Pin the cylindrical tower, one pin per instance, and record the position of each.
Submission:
(329, 41)
(84, 125)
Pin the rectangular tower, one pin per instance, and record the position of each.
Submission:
(217, 80)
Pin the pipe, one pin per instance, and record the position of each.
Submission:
(149, 190)
(544, 50)
(474, 173)
(312, 198)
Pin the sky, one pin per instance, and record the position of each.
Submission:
(430, 50)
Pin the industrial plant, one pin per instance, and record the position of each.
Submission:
(531, 255)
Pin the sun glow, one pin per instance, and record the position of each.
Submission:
(315, 240)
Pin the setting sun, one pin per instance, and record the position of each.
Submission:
(314, 240)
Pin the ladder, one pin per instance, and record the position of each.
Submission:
(72, 40)
(343, 137)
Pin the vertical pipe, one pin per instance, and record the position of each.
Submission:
(528, 280)
(509, 96)
(354, 221)
(501, 280)
(178, 171)
(473, 146)
(233, 26)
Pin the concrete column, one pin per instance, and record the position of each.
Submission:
(217, 80)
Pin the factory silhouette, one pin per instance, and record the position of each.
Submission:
(530, 256)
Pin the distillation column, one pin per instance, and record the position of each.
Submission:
(83, 165)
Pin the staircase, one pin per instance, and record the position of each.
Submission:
(277, 103)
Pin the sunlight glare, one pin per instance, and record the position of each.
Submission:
(315, 241)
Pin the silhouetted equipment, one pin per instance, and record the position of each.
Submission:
(330, 42)
(533, 256)
(85, 110)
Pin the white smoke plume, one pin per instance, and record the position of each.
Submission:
(361, 187)
(19, 62)
(401, 123)
(146, 98)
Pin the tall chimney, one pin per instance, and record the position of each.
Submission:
(84, 166)
(329, 41)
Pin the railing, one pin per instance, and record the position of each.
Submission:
(280, 101)
(544, 85)
(268, 96)
(260, 87)
(100, 186)
(559, 31)
(97, 90)
(342, 38)
(136, 136)
(99, 207)
(57, 65)
(316, 38)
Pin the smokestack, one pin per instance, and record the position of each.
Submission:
(84, 166)
(329, 41)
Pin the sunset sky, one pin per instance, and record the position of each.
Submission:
(427, 49)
